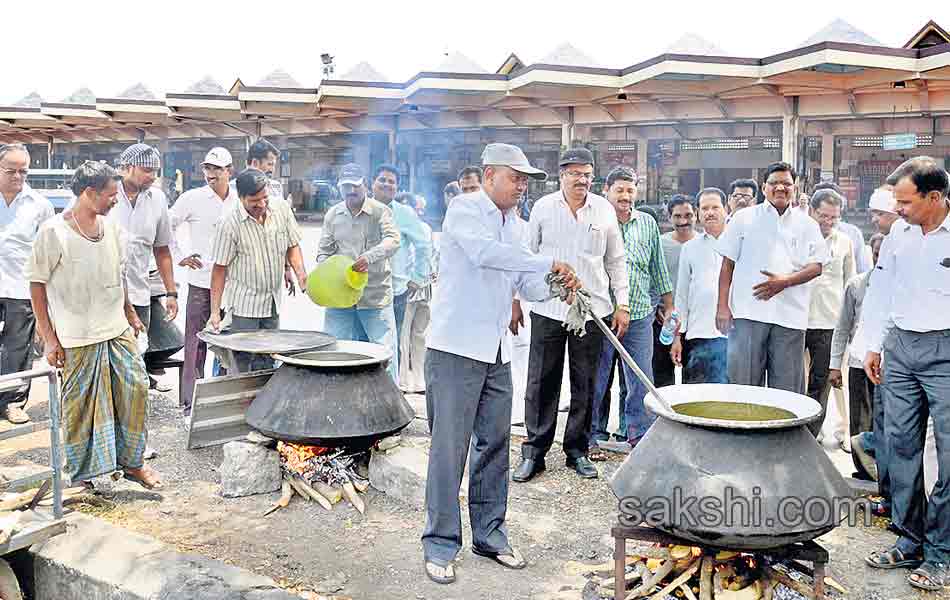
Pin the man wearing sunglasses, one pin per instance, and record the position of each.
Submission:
(22, 211)
(579, 228)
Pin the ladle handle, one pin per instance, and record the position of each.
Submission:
(628, 360)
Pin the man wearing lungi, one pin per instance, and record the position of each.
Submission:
(88, 325)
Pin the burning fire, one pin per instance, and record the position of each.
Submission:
(296, 456)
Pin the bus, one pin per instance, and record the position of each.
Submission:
(54, 184)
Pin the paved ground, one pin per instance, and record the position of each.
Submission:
(554, 520)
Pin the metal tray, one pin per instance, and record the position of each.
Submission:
(268, 341)
(343, 353)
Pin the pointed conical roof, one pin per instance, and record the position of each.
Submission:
(363, 72)
(568, 56)
(695, 45)
(138, 92)
(31, 100)
(206, 86)
(840, 30)
(456, 62)
(280, 79)
(81, 96)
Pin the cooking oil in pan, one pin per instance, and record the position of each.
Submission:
(733, 411)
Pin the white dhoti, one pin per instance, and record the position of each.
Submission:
(520, 349)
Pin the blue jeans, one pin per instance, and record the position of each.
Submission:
(600, 409)
(377, 325)
(638, 342)
(707, 362)
(399, 312)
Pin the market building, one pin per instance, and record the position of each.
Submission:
(839, 107)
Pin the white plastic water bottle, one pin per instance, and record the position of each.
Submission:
(669, 328)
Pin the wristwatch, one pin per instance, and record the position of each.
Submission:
(624, 308)
(171, 295)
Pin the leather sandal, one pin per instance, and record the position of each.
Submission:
(511, 559)
(447, 576)
(892, 558)
(930, 576)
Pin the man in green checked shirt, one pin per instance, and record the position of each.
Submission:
(646, 266)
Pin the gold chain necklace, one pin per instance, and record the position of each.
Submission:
(98, 236)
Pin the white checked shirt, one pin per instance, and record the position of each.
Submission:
(201, 209)
(827, 293)
(483, 263)
(759, 239)
(590, 243)
(147, 226)
(19, 224)
(910, 288)
(697, 288)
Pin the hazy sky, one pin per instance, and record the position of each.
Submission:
(54, 47)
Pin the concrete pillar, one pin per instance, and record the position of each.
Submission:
(791, 131)
(643, 145)
(702, 178)
(828, 154)
(412, 165)
(393, 140)
(49, 153)
(567, 130)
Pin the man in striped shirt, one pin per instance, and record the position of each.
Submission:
(579, 228)
(251, 245)
(646, 266)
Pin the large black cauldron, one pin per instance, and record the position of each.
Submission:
(775, 463)
(339, 395)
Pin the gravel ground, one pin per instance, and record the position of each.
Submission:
(555, 520)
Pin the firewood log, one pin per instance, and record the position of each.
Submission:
(706, 579)
(687, 592)
(286, 493)
(629, 578)
(683, 578)
(306, 491)
(350, 492)
(796, 586)
(333, 493)
(648, 584)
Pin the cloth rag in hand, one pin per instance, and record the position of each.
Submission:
(576, 320)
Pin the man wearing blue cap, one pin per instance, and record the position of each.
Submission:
(363, 229)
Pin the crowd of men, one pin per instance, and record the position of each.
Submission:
(779, 293)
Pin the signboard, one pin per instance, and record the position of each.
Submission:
(441, 166)
(900, 141)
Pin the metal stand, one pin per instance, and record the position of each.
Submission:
(794, 553)
(15, 380)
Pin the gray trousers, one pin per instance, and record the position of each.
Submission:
(468, 404)
(916, 385)
(758, 349)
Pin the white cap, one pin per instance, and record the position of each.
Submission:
(883, 200)
(219, 157)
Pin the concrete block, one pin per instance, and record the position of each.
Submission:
(95, 560)
(249, 469)
(401, 473)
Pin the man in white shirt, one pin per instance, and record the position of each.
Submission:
(862, 254)
(743, 193)
(482, 264)
(883, 207)
(683, 217)
(697, 288)
(770, 252)
(827, 296)
(575, 226)
(22, 211)
(200, 210)
(906, 318)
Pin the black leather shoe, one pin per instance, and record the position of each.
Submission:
(528, 468)
(583, 467)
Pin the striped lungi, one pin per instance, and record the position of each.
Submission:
(105, 402)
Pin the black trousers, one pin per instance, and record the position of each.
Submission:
(818, 346)
(545, 372)
(861, 407)
(16, 345)
(663, 367)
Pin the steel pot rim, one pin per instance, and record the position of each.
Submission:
(807, 409)
(373, 353)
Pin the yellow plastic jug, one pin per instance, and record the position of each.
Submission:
(335, 284)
